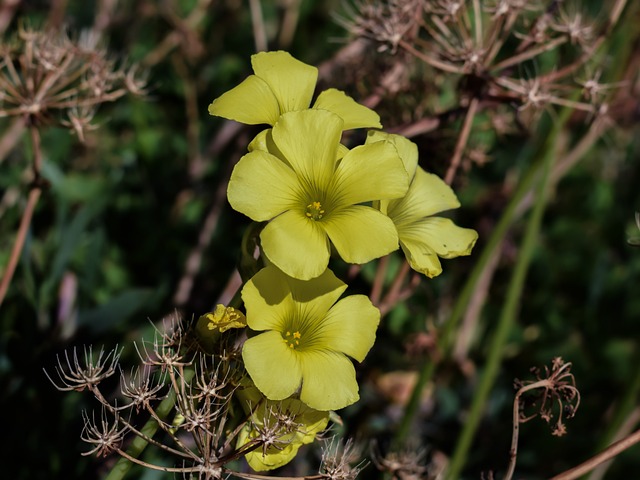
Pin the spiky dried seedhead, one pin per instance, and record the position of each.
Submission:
(341, 461)
(45, 71)
(77, 374)
(105, 436)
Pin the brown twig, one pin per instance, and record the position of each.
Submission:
(607, 454)
(32, 201)
(462, 141)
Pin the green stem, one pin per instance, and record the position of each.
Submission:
(507, 315)
(138, 445)
(446, 336)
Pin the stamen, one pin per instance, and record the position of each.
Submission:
(292, 341)
(315, 210)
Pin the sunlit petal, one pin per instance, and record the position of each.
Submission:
(252, 102)
(273, 367)
(361, 233)
(309, 141)
(352, 113)
(264, 196)
(329, 380)
(427, 195)
(407, 150)
(350, 326)
(296, 245)
(369, 172)
(291, 81)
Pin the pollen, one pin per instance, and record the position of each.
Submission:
(314, 211)
(292, 339)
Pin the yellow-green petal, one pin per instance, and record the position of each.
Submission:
(421, 258)
(252, 102)
(427, 195)
(435, 236)
(361, 233)
(271, 296)
(370, 172)
(407, 150)
(291, 81)
(309, 141)
(261, 186)
(273, 367)
(267, 299)
(350, 326)
(296, 245)
(331, 381)
(352, 113)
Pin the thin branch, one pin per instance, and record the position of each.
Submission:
(607, 454)
(462, 141)
(32, 201)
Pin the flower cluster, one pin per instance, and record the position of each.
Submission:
(316, 197)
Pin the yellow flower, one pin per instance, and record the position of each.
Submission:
(210, 325)
(424, 237)
(306, 336)
(309, 197)
(283, 84)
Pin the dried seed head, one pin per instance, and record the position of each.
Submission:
(42, 71)
(406, 464)
(88, 373)
(341, 461)
(104, 437)
(142, 388)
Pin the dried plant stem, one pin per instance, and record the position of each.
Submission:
(528, 54)
(257, 21)
(123, 465)
(593, 462)
(462, 140)
(396, 293)
(11, 136)
(7, 9)
(289, 23)
(378, 281)
(188, 27)
(625, 429)
(32, 201)
(434, 62)
(515, 433)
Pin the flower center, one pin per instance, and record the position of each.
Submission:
(315, 210)
(292, 339)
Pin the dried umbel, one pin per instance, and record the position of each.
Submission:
(193, 397)
(508, 59)
(45, 71)
(553, 396)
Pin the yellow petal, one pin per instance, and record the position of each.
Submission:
(291, 81)
(296, 245)
(261, 186)
(252, 102)
(308, 141)
(361, 233)
(352, 113)
(407, 150)
(273, 367)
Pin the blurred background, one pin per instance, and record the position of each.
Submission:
(132, 225)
